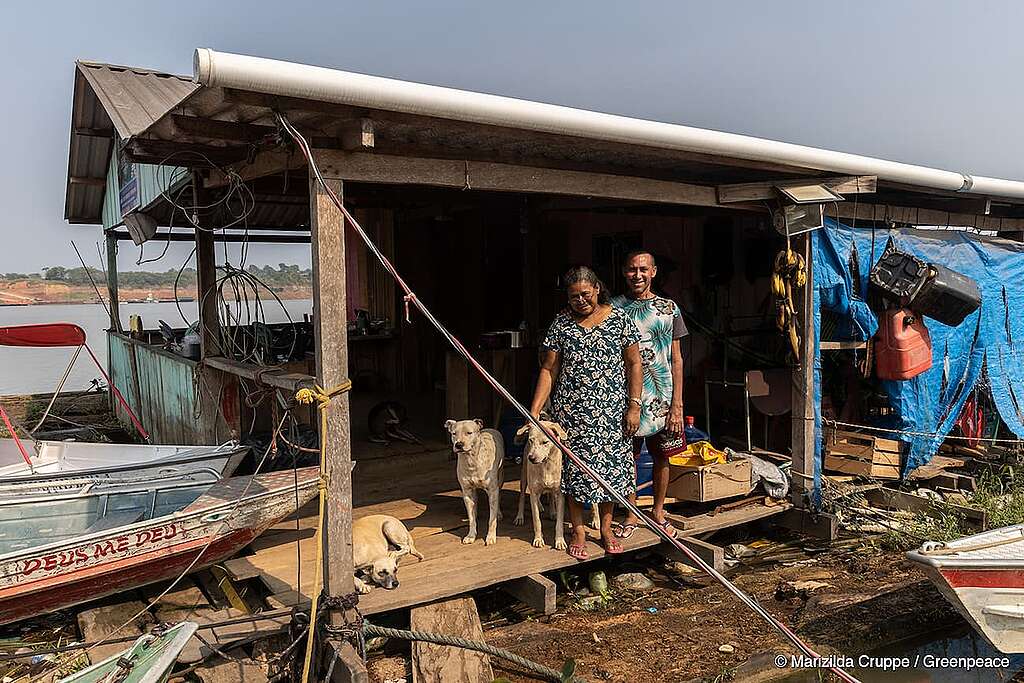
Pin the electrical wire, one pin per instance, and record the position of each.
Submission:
(411, 299)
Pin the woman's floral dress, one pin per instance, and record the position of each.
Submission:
(590, 402)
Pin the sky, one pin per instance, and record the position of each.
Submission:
(930, 82)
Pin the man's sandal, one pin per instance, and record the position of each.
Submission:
(624, 531)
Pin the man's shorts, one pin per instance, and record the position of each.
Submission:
(661, 446)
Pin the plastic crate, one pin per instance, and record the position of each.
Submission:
(947, 296)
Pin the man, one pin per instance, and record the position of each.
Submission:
(661, 405)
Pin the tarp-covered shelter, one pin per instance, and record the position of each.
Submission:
(988, 343)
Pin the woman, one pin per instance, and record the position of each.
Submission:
(591, 356)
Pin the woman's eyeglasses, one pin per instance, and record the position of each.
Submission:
(582, 296)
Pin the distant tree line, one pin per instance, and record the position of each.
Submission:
(282, 276)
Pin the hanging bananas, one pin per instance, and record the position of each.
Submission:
(789, 274)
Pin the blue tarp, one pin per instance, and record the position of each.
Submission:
(989, 341)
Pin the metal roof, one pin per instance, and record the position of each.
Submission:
(111, 102)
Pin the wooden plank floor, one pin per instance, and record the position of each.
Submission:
(284, 557)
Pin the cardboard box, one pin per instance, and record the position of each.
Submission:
(861, 454)
(710, 482)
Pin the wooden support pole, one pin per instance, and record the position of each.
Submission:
(803, 432)
(327, 228)
(534, 590)
(206, 278)
(115, 315)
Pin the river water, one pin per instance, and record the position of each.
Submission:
(27, 370)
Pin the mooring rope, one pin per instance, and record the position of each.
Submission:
(466, 644)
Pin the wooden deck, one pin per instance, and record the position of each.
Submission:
(284, 557)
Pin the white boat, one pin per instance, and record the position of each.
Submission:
(983, 577)
(52, 460)
(60, 548)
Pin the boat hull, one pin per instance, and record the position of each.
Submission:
(53, 460)
(217, 525)
(982, 576)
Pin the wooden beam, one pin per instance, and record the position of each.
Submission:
(804, 435)
(184, 153)
(91, 182)
(535, 590)
(901, 500)
(357, 135)
(842, 345)
(712, 554)
(261, 374)
(327, 227)
(222, 130)
(911, 215)
(95, 132)
(253, 238)
(441, 663)
(750, 192)
(265, 164)
(112, 292)
(480, 175)
(350, 667)
(821, 525)
(206, 277)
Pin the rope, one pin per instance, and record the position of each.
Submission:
(908, 432)
(654, 527)
(322, 398)
(454, 641)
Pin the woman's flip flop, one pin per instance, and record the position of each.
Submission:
(669, 529)
(612, 547)
(578, 552)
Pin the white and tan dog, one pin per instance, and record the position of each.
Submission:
(481, 455)
(542, 473)
(378, 543)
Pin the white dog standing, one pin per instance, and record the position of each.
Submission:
(481, 454)
(542, 473)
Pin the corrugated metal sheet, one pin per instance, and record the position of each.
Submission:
(110, 102)
(153, 181)
(164, 398)
(132, 98)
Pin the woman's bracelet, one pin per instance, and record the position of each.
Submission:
(634, 399)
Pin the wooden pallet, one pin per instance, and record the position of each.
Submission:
(861, 454)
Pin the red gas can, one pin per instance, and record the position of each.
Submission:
(903, 348)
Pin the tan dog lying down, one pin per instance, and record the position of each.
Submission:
(481, 454)
(542, 474)
(378, 543)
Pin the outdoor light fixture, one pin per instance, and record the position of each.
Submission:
(802, 207)
(141, 226)
(809, 194)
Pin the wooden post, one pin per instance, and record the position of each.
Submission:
(330, 318)
(115, 315)
(206, 278)
(804, 435)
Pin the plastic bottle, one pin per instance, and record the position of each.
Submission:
(693, 435)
